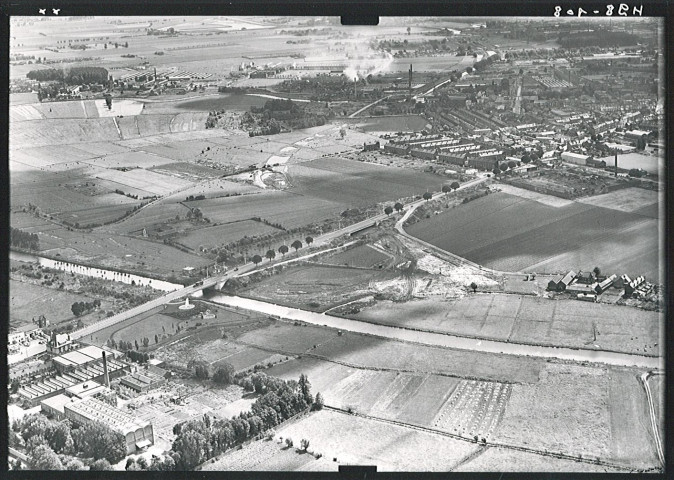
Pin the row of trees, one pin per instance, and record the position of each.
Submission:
(200, 440)
(71, 76)
(19, 238)
(283, 249)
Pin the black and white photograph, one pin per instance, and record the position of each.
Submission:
(285, 244)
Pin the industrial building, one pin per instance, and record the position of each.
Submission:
(577, 158)
(138, 433)
(144, 381)
(74, 370)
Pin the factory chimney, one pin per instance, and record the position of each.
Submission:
(409, 83)
(355, 87)
(106, 377)
(155, 76)
(616, 163)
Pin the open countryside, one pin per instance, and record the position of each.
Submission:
(282, 244)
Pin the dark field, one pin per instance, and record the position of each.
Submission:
(355, 183)
(510, 233)
(226, 101)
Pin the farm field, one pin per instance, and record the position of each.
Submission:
(224, 234)
(354, 440)
(360, 256)
(269, 455)
(129, 159)
(527, 319)
(317, 287)
(362, 350)
(357, 183)
(402, 123)
(277, 207)
(289, 338)
(28, 301)
(626, 200)
(657, 384)
(566, 411)
(117, 251)
(529, 234)
(631, 434)
(62, 131)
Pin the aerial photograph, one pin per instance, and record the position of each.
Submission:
(280, 243)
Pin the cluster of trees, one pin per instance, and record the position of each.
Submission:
(452, 186)
(80, 308)
(53, 445)
(19, 238)
(388, 210)
(200, 440)
(71, 76)
(283, 249)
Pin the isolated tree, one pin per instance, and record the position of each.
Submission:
(146, 342)
(512, 164)
(283, 249)
(388, 210)
(304, 444)
(156, 338)
(296, 245)
(271, 254)
(596, 271)
(496, 171)
(455, 185)
(428, 196)
(503, 167)
(398, 206)
(309, 240)
(446, 188)
(473, 285)
(256, 259)
(409, 30)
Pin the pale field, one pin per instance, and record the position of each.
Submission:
(355, 440)
(625, 200)
(527, 319)
(567, 411)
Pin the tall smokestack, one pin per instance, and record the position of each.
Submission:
(410, 79)
(155, 76)
(355, 87)
(616, 163)
(106, 377)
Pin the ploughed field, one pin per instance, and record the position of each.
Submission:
(509, 233)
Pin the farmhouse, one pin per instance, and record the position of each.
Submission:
(606, 284)
(585, 278)
(561, 282)
(138, 433)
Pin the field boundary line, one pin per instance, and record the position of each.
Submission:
(547, 453)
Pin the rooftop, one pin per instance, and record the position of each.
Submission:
(114, 418)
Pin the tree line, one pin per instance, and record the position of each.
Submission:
(19, 238)
(71, 76)
(200, 440)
